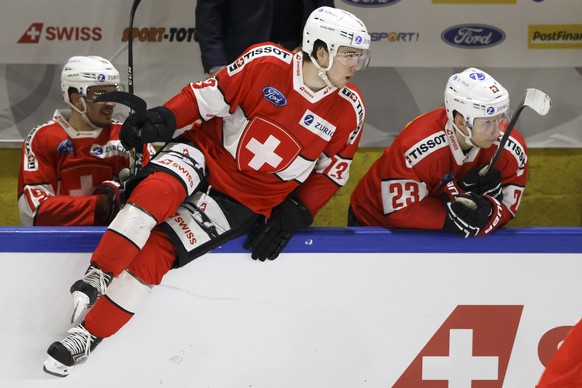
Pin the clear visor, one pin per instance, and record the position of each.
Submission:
(359, 58)
(95, 91)
(490, 125)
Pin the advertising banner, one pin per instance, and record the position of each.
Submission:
(416, 45)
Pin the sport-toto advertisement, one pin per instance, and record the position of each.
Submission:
(416, 46)
(313, 320)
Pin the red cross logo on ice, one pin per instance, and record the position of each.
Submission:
(473, 344)
(266, 146)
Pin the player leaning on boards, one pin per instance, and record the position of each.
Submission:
(70, 168)
(430, 177)
(275, 137)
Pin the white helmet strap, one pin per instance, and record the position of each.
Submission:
(323, 75)
(323, 72)
(467, 138)
(83, 114)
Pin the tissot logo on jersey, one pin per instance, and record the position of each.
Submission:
(473, 344)
(31, 162)
(359, 107)
(518, 153)
(317, 125)
(261, 51)
(424, 148)
(36, 32)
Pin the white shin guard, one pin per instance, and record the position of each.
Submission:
(128, 292)
(134, 223)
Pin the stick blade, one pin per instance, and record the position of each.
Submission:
(538, 101)
(135, 103)
(131, 100)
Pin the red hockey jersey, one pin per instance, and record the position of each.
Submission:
(264, 133)
(61, 168)
(404, 187)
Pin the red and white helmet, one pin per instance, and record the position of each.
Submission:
(335, 27)
(83, 72)
(474, 93)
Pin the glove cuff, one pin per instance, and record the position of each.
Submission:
(496, 215)
(295, 214)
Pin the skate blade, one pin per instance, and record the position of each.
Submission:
(55, 368)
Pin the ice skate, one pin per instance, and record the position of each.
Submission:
(86, 290)
(70, 351)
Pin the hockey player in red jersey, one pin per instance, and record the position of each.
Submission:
(271, 140)
(431, 177)
(565, 367)
(69, 174)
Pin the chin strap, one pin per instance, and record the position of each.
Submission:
(467, 138)
(84, 114)
(323, 75)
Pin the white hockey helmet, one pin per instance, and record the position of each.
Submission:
(83, 72)
(474, 93)
(335, 27)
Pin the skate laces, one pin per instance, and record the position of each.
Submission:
(78, 341)
(97, 279)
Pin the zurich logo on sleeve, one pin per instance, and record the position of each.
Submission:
(66, 147)
(97, 150)
(274, 96)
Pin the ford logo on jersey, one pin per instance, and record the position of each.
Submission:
(66, 147)
(274, 96)
(473, 36)
(371, 3)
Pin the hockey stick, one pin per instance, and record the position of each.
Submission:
(130, 47)
(534, 99)
(133, 102)
(130, 100)
(137, 154)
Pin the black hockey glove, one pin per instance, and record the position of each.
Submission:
(269, 239)
(160, 125)
(110, 190)
(467, 215)
(488, 184)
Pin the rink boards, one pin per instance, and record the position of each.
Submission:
(342, 307)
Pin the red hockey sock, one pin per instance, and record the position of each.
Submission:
(106, 318)
(114, 253)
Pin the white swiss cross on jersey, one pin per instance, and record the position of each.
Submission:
(265, 146)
